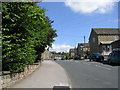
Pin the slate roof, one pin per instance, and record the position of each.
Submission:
(106, 30)
(86, 45)
(83, 44)
(118, 42)
(72, 50)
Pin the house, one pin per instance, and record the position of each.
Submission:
(101, 38)
(116, 44)
(72, 53)
(57, 56)
(83, 49)
(46, 55)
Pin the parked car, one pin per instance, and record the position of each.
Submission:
(96, 57)
(77, 57)
(62, 58)
(86, 56)
(114, 57)
(55, 59)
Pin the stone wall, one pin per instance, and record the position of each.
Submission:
(9, 79)
(93, 42)
(116, 44)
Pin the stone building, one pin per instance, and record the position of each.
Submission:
(101, 38)
(83, 49)
(72, 53)
(57, 57)
(116, 44)
(47, 55)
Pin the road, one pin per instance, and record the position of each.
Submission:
(86, 74)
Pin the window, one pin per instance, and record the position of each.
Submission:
(116, 37)
(108, 48)
(93, 39)
(103, 48)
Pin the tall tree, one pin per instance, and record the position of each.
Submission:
(26, 32)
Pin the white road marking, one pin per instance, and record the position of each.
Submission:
(86, 63)
(102, 67)
(108, 83)
(96, 79)
(77, 61)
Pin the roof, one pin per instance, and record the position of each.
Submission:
(117, 41)
(106, 30)
(58, 55)
(72, 49)
(83, 44)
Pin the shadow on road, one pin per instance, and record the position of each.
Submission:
(61, 88)
(105, 62)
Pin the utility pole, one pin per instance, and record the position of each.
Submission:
(84, 39)
(83, 47)
(119, 33)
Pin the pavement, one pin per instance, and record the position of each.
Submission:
(48, 75)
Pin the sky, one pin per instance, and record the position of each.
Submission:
(74, 20)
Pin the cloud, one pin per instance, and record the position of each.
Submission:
(90, 6)
(60, 48)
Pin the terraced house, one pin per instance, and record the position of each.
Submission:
(100, 40)
(83, 49)
(72, 53)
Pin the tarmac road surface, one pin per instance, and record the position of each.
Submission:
(86, 74)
